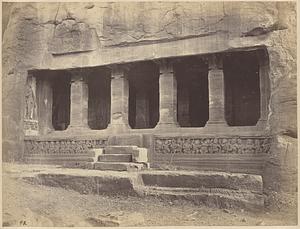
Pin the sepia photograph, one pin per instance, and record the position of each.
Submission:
(150, 113)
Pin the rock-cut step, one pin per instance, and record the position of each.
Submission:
(118, 166)
(119, 158)
(115, 158)
(120, 149)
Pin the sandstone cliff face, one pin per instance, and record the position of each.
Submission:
(64, 35)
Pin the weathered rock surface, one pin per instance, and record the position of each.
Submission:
(281, 169)
(115, 219)
(200, 179)
(105, 33)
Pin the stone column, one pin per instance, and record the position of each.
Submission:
(216, 92)
(167, 95)
(119, 100)
(44, 101)
(79, 102)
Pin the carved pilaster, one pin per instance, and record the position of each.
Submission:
(264, 85)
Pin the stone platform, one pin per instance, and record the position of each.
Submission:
(218, 189)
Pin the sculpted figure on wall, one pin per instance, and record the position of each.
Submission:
(30, 110)
(30, 99)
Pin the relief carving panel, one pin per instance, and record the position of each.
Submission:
(71, 36)
(59, 147)
(209, 145)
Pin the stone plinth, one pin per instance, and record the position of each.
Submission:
(216, 92)
(79, 102)
(119, 100)
(167, 96)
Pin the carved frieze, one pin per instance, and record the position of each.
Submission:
(210, 145)
(59, 147)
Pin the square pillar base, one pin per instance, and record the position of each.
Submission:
(162, 126)
(216, 124)
(118, 128)
(77, 128)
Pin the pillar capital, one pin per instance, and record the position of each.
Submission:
(119, 70)
(165, 66)
(215, 61)
(78, 74)
(75, 72)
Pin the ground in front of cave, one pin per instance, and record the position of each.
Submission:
(25, 204)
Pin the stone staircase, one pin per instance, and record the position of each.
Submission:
(119, 158)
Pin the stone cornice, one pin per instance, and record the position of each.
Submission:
(129, 54)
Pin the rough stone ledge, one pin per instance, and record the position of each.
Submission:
(204, 179)
(86, 184)
(131, 183)
(221, 198)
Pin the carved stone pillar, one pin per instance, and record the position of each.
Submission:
(167, 95)
(45, 100)
(216, 92)
(79, 101)
(119, 100)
